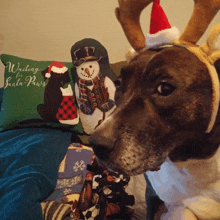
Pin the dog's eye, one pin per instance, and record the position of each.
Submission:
(165, 89)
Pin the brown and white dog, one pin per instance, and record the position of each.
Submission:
(164, 101)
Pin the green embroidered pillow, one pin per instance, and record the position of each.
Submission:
(38, 94)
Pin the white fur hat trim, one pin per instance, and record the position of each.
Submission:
(164, 37)
(59, 70)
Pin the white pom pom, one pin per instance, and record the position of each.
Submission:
(47, 75)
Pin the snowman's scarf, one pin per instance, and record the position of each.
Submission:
(96, 97)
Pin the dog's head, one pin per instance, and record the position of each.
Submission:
(164, 101)
(167, 99)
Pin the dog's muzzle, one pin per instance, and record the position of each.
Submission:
(102, 146)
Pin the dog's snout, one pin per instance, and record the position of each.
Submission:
(102, 146)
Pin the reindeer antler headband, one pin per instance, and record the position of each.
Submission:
(128, 14)
(208, 53)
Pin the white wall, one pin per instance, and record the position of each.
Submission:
(46, 29)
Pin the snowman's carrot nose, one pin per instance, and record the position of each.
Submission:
(87, 71)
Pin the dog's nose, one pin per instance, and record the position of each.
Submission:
(102, 146)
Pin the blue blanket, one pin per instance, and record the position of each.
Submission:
(29, 161)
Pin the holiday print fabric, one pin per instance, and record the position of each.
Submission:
(85, 191)
(58, 97)
(72, 172)
(34, 98)
(103, 196)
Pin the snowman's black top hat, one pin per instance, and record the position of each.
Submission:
(85, 54)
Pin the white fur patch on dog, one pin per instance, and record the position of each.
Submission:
(194, 184)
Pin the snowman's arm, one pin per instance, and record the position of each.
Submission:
(77, 92)
(111, 87)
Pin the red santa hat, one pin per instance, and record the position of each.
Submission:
(161, 33)
(56, 67)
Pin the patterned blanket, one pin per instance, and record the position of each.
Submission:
(85, 191)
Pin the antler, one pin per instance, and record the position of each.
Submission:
(128, 14)
(203, 13)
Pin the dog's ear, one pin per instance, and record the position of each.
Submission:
(44, 73)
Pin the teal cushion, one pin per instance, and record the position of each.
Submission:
(24, 91)
(29, 162)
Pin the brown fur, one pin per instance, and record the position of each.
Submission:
(147, 126)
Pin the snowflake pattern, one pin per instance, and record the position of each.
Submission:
(67, 191)
(59, 182)
(62, 183)
(79, 166)
(79, 150)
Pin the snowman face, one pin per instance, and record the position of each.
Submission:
(88, 70)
